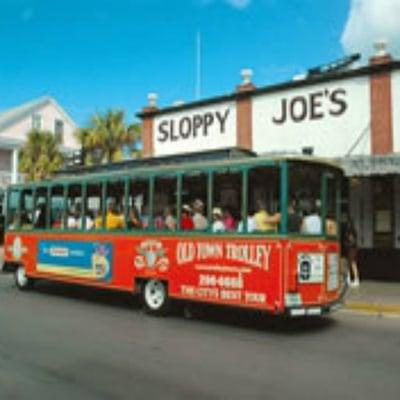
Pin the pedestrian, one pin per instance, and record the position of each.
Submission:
(350, 248)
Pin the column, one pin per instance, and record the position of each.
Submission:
(381, 102)
(14, 166)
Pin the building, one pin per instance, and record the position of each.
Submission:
(350, 115)
(43, 113)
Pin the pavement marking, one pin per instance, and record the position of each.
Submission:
(374, 308)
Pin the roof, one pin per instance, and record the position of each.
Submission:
(197, 165)
(11, 116)
(308, 81)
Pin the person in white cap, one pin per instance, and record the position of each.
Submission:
(217, 225)
(199, 220)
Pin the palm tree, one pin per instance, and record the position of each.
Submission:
(40, 156)
(103, 140)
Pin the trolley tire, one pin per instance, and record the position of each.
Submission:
(22, 282)
(155, 297)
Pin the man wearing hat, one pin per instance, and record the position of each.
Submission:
(218, 225)
(199, 220)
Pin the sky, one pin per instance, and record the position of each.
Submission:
(95, 55)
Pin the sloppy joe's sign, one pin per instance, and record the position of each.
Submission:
(331, 117)
(205, 128)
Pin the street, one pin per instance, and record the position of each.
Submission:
(67, 342)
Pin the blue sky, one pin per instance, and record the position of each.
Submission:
(92, 55)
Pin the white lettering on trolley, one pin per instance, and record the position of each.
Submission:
(255, 255)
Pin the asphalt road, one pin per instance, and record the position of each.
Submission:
(63, 342)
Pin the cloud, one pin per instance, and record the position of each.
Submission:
(371, 20)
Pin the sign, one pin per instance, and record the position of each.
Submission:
(337, 113)
(205, 128)
(87, 260)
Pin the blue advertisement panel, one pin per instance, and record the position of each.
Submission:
(88, 260)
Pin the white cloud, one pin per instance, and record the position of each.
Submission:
(371, 20)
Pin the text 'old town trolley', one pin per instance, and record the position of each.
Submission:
(252, 232)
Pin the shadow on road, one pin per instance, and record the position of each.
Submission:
(209, 314)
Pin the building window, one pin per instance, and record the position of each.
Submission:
(36, 122)
(59, 127)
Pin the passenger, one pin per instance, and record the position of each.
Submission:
(72, 222)
(264, 221)
(228, 220)
(134, 219)
(57, 221)
(330, 226)
(199, 220)
(159, 221)
(114, 220)
(26, 222)
(217, 225)
(88, 220)
(40, 221)
(312, 224)
(251, 224)
(170, 221)
(294, 218)
(98, 222)
(144, 218)
(186, 219)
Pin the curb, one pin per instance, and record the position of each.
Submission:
(374, 308)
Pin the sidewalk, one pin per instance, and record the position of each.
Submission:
(374, 297)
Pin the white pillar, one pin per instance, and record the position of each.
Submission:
(14, 166)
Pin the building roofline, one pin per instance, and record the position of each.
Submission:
(25, 109)
(329, 77)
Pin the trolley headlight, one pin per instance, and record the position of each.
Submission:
(310, 267)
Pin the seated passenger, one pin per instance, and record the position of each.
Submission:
(88, 220)
(57, 220)
(98, 222)
(199, 220)
(72, 222)
(159, 221)
(114, 220)
(330, 226)
(170, 221)
(312, 224)
(217, 225)
(144, 218)
(294, 218)
(228, 220)
(264, 221)
(26, 222)
(186, 218)
(134, 219)
(251, 224)
(40, 220)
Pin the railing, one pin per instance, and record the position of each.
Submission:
(5, 178)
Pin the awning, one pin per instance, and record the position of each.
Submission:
(371, 165)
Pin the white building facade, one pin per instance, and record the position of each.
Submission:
(15, 124)
(351, 116)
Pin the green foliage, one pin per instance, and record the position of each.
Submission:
(102, 141)
(41, 155)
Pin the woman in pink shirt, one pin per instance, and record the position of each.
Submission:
(229, 221)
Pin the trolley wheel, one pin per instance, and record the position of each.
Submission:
(155, 297)
(21, 280)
